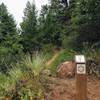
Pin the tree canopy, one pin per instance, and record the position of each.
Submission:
(9, 38)
(60, 24)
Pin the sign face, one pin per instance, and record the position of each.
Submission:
(80, 59)
(81, 69)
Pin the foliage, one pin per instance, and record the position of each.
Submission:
(36, 63)
(9, 38)
(4, 84)
(51, 23)
(10, 45)
(59, 25)
(7, 61)
(65, 55)
(85, 21)
(29, 28)
(48, 48)
(93, 61)
(7, 23)
(24, 78)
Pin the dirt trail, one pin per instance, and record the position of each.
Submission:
(53, 58)
(64, 89)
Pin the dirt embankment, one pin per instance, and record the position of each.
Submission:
(64, 89)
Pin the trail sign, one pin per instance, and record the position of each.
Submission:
(81, 78)
(81, 69)
(80, 59)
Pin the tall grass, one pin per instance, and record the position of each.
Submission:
(34, 64)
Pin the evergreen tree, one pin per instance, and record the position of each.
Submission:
(7, 23)
(86, 22)
(52, 18)
(10, 46)
(9, 38)
(29, 28)
(42, 27)
(67, 29)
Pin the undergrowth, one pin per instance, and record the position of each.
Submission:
(93, 61)
(23, 79)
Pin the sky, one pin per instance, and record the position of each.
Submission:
(16, 7)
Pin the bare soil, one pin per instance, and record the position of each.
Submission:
(64, 89)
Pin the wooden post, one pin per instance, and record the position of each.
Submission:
(81, 78)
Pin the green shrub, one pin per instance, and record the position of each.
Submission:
(48, 47)
(6, 84)
(23, 78)
(93, 60)
(7, 61)
(36, 63)
(31, 69)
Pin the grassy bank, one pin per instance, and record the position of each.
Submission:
(64, 55)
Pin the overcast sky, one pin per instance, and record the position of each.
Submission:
(16, 7)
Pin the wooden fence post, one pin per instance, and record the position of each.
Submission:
(81, 78)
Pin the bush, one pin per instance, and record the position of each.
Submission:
(68, 42)
(23, 79)
(7, 61)
(93, 61)
(48, 47)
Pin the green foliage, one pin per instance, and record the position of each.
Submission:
(76, 25)
(68, 41)
(7, 23)
(10, 45)
(50, 22)
(36, 63)
(29, 28)
(85, 21)
(93, 61)
(24, 78)
(65, 55)
(7, 61)
(48, 48)
(30, 69)
(3, 84)
(9, 38)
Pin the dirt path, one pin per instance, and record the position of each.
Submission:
(53, 58)
(64, 89)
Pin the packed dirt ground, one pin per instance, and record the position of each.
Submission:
(64, 89)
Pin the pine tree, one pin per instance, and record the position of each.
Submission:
(9, 38)
(86, 22)
(29, 28)
(7, 23)
(52, 23)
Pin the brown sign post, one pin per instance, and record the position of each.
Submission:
(81, 78)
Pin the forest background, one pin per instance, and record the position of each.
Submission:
(72, 28)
